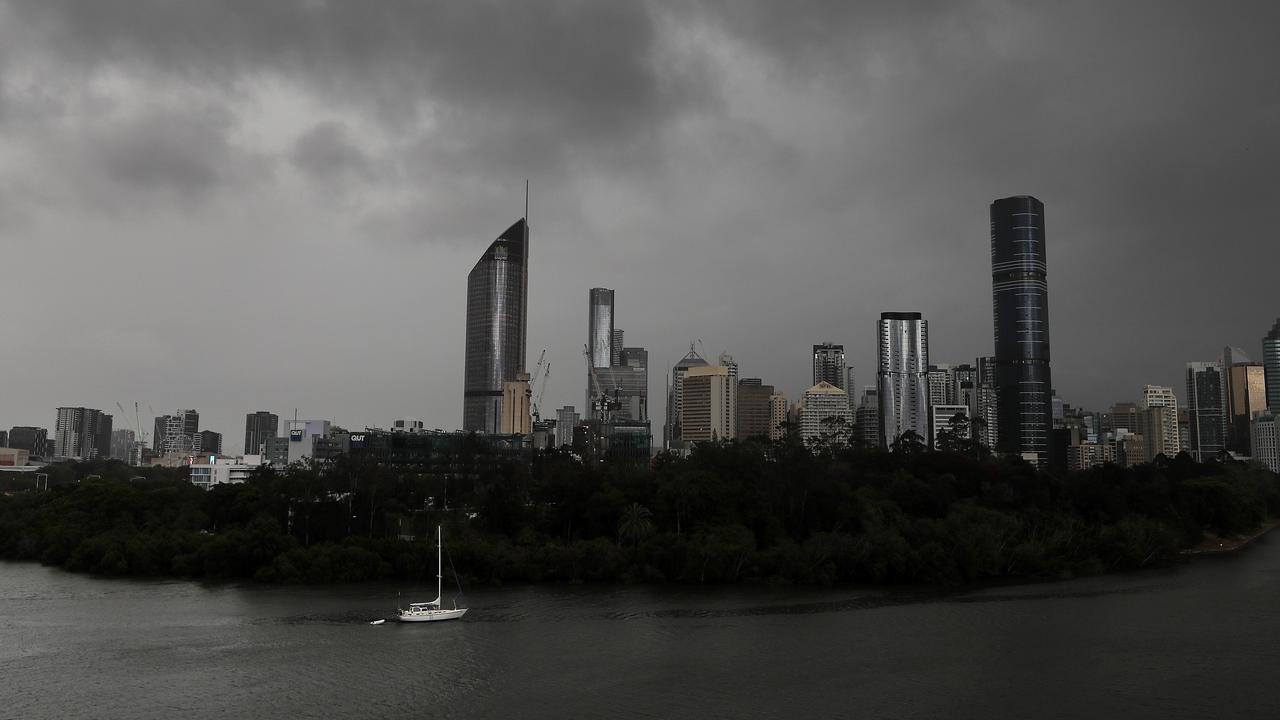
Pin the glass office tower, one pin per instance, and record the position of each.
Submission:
(1020, 303)
(1271, 365)
(497, 295)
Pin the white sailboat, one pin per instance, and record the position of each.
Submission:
(431, 611)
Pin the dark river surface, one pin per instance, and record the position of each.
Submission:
(1197, 641)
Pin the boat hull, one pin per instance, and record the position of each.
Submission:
(432, 615)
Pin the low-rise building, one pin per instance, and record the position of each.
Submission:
(13, 457)
(221, 471)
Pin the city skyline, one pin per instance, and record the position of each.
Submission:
(324, 233)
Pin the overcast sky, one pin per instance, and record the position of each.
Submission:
(248, 205)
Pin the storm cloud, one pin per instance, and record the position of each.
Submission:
(241, 205)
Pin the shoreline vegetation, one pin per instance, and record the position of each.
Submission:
(729, 513)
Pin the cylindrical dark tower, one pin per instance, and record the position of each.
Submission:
(1020, 303)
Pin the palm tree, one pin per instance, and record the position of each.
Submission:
(636, 524)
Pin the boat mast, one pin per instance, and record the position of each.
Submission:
(439, 567)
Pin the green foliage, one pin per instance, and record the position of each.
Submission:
(730, 512)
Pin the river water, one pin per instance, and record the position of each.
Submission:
(1196, 641)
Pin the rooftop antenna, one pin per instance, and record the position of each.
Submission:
(526, 202)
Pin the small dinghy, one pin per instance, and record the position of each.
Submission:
(378, 622)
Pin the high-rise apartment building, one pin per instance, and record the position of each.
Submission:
(824, 415)
(1160, 402)
(82, 433)
(866, 418)
(903, 366)
(709, 404)
(1265, 440)
(497, 324)
(1206, 410)
(829, 365)
(1020, 301)
(1271, 366)
(983, 408)
(259, 426)
(124, 446)
(177, 434)
(777, 416)
(941, 382)
(673, 432)
(755, 409)
(567, 418)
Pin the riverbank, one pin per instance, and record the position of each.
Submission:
(1218, 545)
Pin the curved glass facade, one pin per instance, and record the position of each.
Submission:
(901, 375)
(1020, 303)
(497, 294)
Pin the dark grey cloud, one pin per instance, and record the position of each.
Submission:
(759, 175)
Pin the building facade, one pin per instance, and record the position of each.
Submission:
(1246, 397)
(1265, 431)
(777, 416)
(83, 433)
(516, 398)
(755, 409)
(177, 434)
(673, 431)
(258, 426)
(35, 440)
(1271, 366)
(1159, 401)
(567, 418)
(942, 417)
(829, 365)
(497, 322)
(709, 407)
(1206, 410)
(824, 415)
(1020, 302)
(902, 372)
(210, 443)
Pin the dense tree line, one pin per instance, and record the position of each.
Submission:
(730, 512)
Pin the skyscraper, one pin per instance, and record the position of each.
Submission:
(1206, 410)
(709, 407)
(567, 418)
(177, 434)
(829, 365)
(1246, 397)
(755, 409)
(258, 427)
(675, 398)
(497, 321)
(1160, 401)
(824, 415)
(34, 440)
(82, 433)
(210, 443)
(600, 319)
(1271, 364)
(903, 367)
(1020, 303)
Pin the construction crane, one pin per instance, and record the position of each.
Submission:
(604, 406)
(542, 387)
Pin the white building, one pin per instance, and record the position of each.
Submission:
(1264, 435)
(940, 419)
(1161, 400)
(822, 409)
(220, 471)
(709, 410)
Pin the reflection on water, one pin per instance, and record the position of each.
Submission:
(1189, 642)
